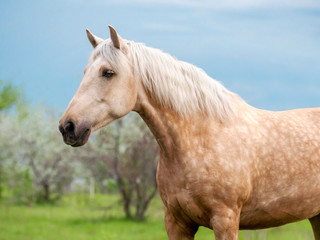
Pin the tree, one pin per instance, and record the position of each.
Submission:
(131, 155)
(9, 95)
(32, 143)
(141, 168)
(92, 168)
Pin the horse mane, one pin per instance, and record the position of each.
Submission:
(176, 84)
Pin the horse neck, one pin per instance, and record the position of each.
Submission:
(175, 134)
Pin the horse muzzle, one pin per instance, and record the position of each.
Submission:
(74, 135)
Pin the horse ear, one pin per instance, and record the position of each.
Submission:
(94, 40)
(114, 37)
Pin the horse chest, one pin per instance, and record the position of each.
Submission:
(195, 192)
(186, 200)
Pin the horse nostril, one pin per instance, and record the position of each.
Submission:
(61, 129)
(69, 127)
(73, 133)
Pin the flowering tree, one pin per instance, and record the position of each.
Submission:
(39, 166)
(131, 155)
(31, 144)
(9, 96)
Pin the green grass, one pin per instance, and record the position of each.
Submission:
(79, 218)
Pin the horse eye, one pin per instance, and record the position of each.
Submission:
(107, 73)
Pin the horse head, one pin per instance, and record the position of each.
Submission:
(108, 90)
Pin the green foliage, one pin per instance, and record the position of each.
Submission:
(9, 95)
(111, 186)
(3, 178)
(22, 191)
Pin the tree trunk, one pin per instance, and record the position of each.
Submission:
(46, 192)
(126, 208)
(1, 178)
(126, 195)
(143, 204)
(91, 188)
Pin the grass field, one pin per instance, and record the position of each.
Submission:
(79, 218)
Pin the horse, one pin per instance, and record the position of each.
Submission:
(223, 164)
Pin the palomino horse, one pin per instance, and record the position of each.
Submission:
(223, 164)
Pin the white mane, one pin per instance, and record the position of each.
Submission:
(178, 85)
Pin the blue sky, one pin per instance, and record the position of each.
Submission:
(267, 51)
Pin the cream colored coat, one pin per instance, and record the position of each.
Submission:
(223, 164)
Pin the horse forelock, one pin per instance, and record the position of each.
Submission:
(181, 86)
(115, 58)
